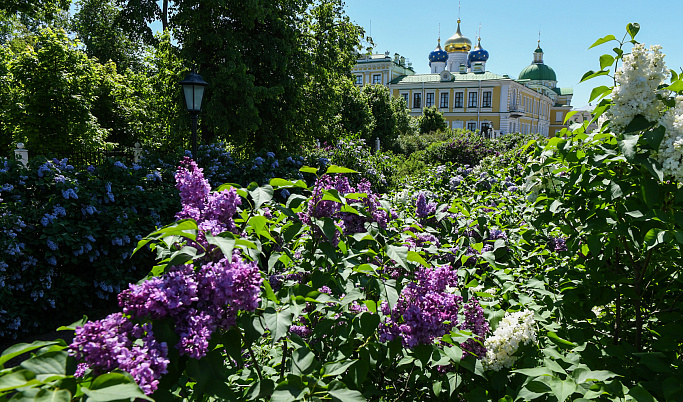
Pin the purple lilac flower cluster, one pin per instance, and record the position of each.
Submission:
(350, 223)
(424, 208)
(115, 342)
(213, 212)
(557, 244)
(425, 310)
(200, 301)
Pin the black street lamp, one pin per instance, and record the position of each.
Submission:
(193, 88)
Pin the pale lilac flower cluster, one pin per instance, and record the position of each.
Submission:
(426, 310)
(670, 152)
(200, 302)
(116, 343)
(635, 92)
(514, 330)
(213, 212)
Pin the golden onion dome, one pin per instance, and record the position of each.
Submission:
(457, 42)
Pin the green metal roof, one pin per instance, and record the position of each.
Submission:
(538, 72)
(419, 78)
(564, 91)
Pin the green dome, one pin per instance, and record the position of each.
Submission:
(538, 72)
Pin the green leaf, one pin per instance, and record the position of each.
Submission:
(52, 395)
(261, 195)
(592, 74)
(676, 86)
(534, 372)
(47, 363)
(277, 182)
(615, 190)
(606, 60)
(654, 137)
(259, 224)
(270, 295)
(650, 192)
(398, 254)
(308, 169)
(638, 124)
(602, 40)
(366, 323)
(415, 257)
(599, 92)
(226, 244)
(338, 169)
(562, 389)
(346, 395)
(21, 348)
(185, 228)
(118, 392)
(632, 29)
(16, 380)
(655, 237)
(303, 361)
(332, 195)
(454, 353)
(640, 394)
(628, 146)
(334, 369)
(559, 341)
(260, 389)
(590, 375)
(278, 322)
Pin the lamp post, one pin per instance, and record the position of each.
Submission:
(193, 88)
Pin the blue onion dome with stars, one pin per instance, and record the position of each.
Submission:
(438, 55)
(477, 54)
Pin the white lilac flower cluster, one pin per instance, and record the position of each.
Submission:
(642, 72)
(670, 153)
(514, 330)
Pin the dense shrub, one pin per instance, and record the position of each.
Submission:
(68, 236)
(379, 169)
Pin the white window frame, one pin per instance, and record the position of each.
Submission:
(470, 99)
(359, 79)
(483, 98)
(443, 96)
(472, 126)
(462, 100)
(427, 102)
(417, 96)
(377, 79)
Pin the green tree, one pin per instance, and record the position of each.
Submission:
(390, 115)
(6, 100)
(97, 26)
(431, 120)
(355, 115)
(168, 125)
(65, 101)
(275, 68)
(44, 10)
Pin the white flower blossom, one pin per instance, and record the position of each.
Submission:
(514, 330)
(636, 91)
(670, 153)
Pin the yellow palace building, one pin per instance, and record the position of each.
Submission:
(469, 96)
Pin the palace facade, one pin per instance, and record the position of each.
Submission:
(469, 96)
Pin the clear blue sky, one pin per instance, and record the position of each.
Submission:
(509, 31)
